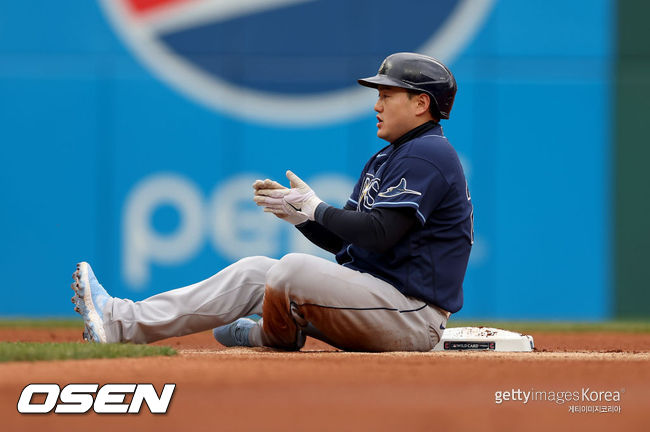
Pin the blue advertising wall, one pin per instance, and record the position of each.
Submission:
(131, 134)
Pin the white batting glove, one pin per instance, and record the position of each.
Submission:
(269, 194)
(300, 197)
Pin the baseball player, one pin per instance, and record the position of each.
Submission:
(402, 243)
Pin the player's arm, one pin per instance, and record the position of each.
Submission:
(270, 194)
(377, 231)
(321, 236)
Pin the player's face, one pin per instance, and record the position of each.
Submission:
(396, 113)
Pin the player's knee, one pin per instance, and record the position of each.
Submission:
(280, 276)
(254, 261)
(254, 267)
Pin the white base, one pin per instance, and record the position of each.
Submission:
(483, 339)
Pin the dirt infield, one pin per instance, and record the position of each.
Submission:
(224, 389)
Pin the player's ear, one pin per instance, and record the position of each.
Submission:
(423, 103)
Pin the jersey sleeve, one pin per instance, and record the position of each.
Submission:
(353, 200)
(412, 182)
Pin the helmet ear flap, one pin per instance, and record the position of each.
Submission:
(433, 108)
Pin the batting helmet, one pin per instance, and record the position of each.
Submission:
(420, 73)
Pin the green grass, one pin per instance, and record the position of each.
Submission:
(559, 326)
(34, 351)
(41, 323)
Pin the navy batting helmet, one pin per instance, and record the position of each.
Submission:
(421, 73)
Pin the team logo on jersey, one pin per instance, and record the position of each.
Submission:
(287, 61)
(400, 189)
(368, 192)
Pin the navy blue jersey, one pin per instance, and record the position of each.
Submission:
(424, 174)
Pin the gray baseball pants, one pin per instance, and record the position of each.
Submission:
(299, 295)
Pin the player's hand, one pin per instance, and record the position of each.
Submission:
(300, 197)
(269, 194)
(267, 184)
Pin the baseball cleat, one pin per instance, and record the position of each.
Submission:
(90, 299)
(235, 333)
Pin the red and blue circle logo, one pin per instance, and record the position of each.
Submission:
(287, 61)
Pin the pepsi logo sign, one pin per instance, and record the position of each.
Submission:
(287, 61)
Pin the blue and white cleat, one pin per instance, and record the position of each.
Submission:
(89, 299)
(235, 333)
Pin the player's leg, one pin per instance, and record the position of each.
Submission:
(307, 295)
(234, 292)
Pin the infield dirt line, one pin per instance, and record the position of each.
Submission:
(532, 356)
